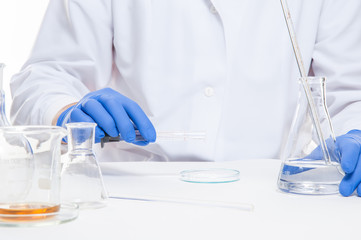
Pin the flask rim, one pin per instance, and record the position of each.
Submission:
(313, 79)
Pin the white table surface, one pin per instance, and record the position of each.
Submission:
(276, 215)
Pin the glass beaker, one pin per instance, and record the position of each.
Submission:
(311, 159)
(82, 181)
(30, 173)
(3, 119)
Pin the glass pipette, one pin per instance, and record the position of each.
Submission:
(303, 73)
(162, 136)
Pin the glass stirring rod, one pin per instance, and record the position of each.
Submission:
(166, 136)
(248, 207)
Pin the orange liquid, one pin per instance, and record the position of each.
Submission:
(19, 212)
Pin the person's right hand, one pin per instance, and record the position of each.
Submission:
(350, 148)
(114, 115)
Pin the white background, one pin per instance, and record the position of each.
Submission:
(19, 24)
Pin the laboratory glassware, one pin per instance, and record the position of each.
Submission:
(3, 119)
(81, 178)
(210, 175)
(30, 177)
(301, 68)
(240, 206)
(311, 158)
(163, 136)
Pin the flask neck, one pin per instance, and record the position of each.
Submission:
(317, 86)
(3, 119)
(321, 117)
(80, 137)
(317, 90)
(1, 75)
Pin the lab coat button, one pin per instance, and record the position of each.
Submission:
(213, 9)
(209, 91)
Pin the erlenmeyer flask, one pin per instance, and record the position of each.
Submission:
(3, 119)
(81, 178)
(311, 159)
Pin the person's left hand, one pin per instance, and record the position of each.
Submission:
(350, 148)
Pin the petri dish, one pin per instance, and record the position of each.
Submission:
(66, 213)
(210, 175)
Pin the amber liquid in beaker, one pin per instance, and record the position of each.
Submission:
(28, 211)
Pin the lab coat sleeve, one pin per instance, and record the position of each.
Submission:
(71, 56)
(337, 55)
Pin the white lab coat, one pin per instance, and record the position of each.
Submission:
(225, 67)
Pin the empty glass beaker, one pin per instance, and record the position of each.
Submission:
(30, 174)
(82, 181)
(311, 159)
(3, 119)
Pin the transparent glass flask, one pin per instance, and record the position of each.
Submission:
(3, 119)
(311, 159)
(81, 178)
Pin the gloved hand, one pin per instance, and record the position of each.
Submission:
(350, 148)
(113, 113)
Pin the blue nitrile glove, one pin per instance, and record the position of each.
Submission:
(113, 113)
(350, 148)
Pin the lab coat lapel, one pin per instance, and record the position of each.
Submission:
(217, 4)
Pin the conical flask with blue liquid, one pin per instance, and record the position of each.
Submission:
(311, 158)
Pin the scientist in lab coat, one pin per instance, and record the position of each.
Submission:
(224, 67)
